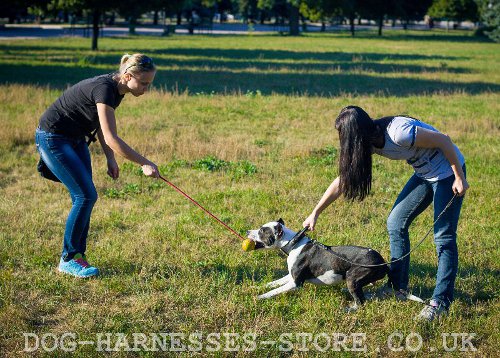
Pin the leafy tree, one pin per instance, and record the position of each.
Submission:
(286, 8)
(469, 11)
(349, 9)
(131, 10)
(408, 10)
(224, 6)
(276, 8)
(376, 10)
(294, 12)
(490, 16)
(248, 10)
(95, 7)
(320, 10)
(13, 9)
(457, 10)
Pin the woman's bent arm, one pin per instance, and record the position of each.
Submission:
(430, 139)
(331, 194)
(108, 127)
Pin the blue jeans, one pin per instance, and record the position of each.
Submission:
(69, 159)
(415, 197)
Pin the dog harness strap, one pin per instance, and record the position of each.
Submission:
(291, 244)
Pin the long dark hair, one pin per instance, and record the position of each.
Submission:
(356, 132)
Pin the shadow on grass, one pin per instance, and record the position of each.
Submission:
(47, 53)
(271, 65)
(153, 270)
(284, 55)
(426, 35)
(482, 293)
(229, 82)
(290, 65)
(236, 274)
(228, 71)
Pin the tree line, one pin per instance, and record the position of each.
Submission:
(290, 13)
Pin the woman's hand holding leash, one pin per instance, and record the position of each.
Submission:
(310, 222)
(151, 170)
(460, 186)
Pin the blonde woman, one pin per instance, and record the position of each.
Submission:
(83, 108)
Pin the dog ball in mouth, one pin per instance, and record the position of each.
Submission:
(248, 245)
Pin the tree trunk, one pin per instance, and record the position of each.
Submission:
(294, 21)
(155, 18)
(323, 26)
(179, 17)
(304, 23)
(351, 22)
(131, 25)
(95, 28)
(380, 25)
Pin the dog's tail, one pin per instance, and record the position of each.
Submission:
(411, 297)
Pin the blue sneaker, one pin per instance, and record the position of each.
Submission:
(78, 266)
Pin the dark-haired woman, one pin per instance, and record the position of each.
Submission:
(60, 138)
(439, 174)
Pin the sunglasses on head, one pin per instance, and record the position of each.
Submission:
(145, 62)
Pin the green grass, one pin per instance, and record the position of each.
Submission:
(245, 126)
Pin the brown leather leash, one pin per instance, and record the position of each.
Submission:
(301, 234)
(202, 208)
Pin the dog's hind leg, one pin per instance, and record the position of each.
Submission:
(356, 292)
(355, 289)
(279, 282)
(289, 286)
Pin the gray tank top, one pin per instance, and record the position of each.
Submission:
(429, 163)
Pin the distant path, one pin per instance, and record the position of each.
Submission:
(44, 31)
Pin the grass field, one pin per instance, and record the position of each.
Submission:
(244, 124)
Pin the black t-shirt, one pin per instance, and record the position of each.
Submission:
(74, 113)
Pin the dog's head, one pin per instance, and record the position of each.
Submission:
(268, 236)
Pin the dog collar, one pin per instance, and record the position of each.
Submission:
(291, 244)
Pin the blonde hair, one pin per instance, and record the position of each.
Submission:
(136, 64)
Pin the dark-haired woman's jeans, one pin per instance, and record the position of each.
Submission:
(417, 195)
(69, 160)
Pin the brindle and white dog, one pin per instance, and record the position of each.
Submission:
(309, 261)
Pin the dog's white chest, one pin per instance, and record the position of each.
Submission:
(294, 254)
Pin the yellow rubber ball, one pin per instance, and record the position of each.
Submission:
(248, 245)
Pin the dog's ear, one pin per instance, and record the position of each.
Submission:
(280, 220)
(279, 230)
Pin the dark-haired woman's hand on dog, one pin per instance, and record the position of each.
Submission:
(310, 222)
